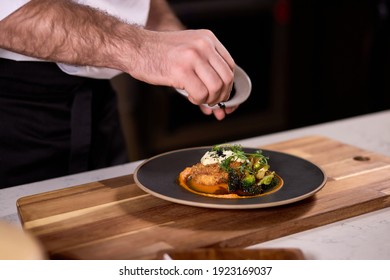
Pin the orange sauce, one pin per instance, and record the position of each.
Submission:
(219, 190)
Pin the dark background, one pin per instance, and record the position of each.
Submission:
(309, 62)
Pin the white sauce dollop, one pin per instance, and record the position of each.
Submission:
(212, 157)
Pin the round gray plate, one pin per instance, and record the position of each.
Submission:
(158, 175)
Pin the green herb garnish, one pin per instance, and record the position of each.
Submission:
(251, 176)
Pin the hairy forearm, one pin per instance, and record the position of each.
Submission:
(64, 31)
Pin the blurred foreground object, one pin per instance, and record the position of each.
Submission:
(16, 244)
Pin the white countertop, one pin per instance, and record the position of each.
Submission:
(362, 237)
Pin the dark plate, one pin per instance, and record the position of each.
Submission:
(158, 175)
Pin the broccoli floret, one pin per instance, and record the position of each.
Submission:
(234, 181)
(274, 182)
(259, 188)
(248, 181)
(267, 179)
(250, 190)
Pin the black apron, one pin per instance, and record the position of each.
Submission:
(53, 124)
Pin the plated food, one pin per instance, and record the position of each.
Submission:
(158, 176)
(227, 171)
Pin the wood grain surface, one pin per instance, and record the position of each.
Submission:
(232, 254)
(115, 219)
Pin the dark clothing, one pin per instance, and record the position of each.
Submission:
(53, 124)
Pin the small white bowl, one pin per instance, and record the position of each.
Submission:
(242, 86)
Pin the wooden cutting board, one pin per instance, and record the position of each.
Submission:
(115, 219)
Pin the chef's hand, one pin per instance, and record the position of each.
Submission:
(192, 60)
(219, 113)
(162, 18)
